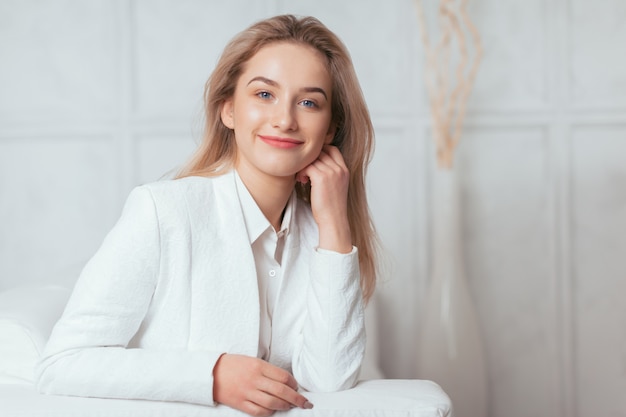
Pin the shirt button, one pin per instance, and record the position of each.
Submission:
(272, 273)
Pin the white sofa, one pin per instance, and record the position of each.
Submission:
(27, 315)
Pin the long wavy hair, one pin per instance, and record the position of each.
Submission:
(354, 133)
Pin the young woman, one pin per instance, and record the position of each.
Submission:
(244, 278)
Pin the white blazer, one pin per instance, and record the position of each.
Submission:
(174, 286)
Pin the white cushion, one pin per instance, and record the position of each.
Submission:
(27, 315)
(378, 398)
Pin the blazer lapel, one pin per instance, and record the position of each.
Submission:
(224, 289)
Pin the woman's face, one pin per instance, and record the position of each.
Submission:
(281, 110)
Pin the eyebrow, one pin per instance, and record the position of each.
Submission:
(275, 84)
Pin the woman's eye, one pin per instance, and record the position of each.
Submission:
(264, 95)
(308, 103)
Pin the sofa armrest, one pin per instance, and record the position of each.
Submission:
(27, 315)
(375, 398)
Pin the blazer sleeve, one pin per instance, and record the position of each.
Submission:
(87, 353)
(330, 350)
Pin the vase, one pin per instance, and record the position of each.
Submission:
(450, 348)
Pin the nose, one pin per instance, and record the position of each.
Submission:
(284, 117)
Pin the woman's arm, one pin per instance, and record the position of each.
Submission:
(332, 345)
(87, 353)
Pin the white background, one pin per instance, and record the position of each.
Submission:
(97, 96)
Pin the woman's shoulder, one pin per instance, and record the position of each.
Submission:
(182, 186)
(185, 196)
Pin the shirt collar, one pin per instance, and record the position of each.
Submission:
(255, 220)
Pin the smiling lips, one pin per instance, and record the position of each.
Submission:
(278, 142)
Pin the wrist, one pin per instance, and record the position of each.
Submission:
(335, 237)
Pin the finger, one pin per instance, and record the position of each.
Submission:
(254, 409)
(331, 163)
(325, 161)
(301, 177)
(282, 384)
(335, 154)
(326, 167)
(309, 172)
(271, 402)
(279, 375)
(324, 164)
(283, 393)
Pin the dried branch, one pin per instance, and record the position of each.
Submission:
(449, 91)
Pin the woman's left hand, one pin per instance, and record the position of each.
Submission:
(330, 178)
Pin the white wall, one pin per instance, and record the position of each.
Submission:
(97, 96)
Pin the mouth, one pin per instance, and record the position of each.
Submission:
(280, 142)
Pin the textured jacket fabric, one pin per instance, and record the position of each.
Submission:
(174, 286)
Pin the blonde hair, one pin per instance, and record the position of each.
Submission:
(354, 133)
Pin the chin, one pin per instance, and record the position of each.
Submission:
(278, 172)
(281, 170)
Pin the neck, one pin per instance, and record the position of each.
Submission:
(270, 193)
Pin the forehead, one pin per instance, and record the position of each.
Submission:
(289, 62)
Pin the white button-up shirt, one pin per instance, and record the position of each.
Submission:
(267, 248)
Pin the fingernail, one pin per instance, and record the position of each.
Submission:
(308, 405)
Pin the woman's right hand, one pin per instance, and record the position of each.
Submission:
(255, 386)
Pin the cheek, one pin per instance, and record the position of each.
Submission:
(313, 153)
(319, 126)
(247, 114)
(327, 126)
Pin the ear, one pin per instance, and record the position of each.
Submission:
(330, 135)
(226, 114)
